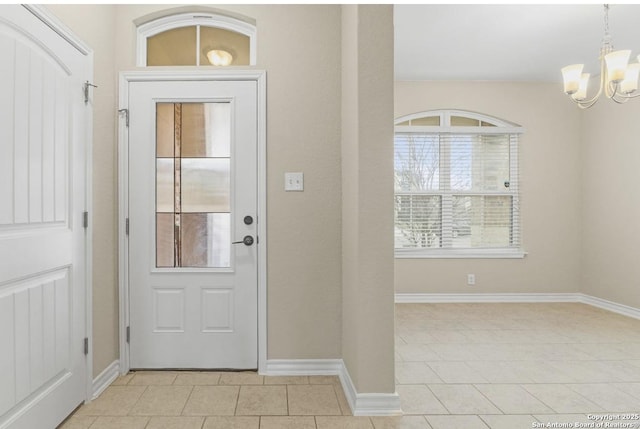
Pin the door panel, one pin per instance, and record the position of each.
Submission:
(192, 180)
(42, 240)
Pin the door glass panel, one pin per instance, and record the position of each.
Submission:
(176, 47)
(237, 44)
(206, 240)
(206, 130)
(205, 185)
(165, 229)
(164, 185)
(165, 130)
(193, 185)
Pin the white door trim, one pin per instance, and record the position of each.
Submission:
(260, 77)
(61, 29)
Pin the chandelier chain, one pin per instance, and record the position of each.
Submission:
(607, 46)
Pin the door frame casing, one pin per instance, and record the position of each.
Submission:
(258, 76)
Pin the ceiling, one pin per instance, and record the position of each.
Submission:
(506, 42)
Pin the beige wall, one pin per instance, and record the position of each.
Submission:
(564, 221)
(94, 24)
(299, 47)
(611, 202)
(550, 171)
(367, 195)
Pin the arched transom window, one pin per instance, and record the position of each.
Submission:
(196, 39)
(456, 185)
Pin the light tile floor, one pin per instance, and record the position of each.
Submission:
(513, 366)
(458, 366)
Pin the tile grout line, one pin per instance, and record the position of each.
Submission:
(286, 393)
(137, 400)
(488, 399)
(187, 401)
(235, 410)
(438, 399)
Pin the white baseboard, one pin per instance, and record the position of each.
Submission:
(105, 378)
(406, 298)
(432, 298)
(303, 367)
(361, 404)
(368, 404)
(611, 306)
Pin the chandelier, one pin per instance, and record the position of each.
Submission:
(618, 79)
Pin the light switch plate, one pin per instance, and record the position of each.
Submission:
(294, 182)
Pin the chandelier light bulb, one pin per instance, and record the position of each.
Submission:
(581, 93)
(630, 82)
(571, 75)
(219, 57)
(617, 64)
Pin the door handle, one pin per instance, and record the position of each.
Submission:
(247, 241)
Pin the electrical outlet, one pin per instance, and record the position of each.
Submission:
(471, 279)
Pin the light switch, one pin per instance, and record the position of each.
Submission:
(294, 182)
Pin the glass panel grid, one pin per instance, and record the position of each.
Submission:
(416, 162)
(175, 47)
(237, 44)
(479, 162)
(418, 221)
(179, 46)
(206, 185)
(482, 221)
(193, 194)
(455, 191)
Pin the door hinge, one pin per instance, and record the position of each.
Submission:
(128, 334)
(126, 226)
(86, 346)
(126, 116)
(85, 219)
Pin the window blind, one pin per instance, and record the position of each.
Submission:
(456, 190)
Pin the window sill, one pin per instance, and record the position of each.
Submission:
(460, 254)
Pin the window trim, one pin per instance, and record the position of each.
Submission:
(190, 19)
(497, 126)
(502, 253)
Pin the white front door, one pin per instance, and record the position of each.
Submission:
(192, 194)
(42, 240)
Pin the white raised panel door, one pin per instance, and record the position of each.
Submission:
(192, 181)
(42, 239)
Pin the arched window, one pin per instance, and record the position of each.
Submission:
(456, 185)
(196, 39)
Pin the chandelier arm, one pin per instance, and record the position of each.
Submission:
(623, 98)
(628, 96)
(609, 89)
(613, 89)
(619, 97)
(585, 104)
